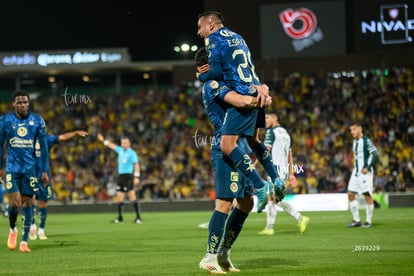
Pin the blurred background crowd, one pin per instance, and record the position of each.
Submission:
(171, 134)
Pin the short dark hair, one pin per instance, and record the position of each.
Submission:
(19, 93)
(201, 56)
(217, 15)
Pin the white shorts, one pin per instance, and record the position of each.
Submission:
(361, 183)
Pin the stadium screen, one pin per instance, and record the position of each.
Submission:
(303, 29)
(383, 25)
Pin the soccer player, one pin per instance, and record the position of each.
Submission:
(46, 193)
(230, 60)
(279, 142)
(128, 176)
(229, 183)
(361, 181)
(20, 130)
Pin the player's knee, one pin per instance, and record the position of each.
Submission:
(226, 148)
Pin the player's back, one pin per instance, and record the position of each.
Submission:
(230, 49)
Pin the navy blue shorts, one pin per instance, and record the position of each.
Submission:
(25, 183)
(238, 121)
(228, 181)
(44, 193)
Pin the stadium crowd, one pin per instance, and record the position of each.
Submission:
(171, 134)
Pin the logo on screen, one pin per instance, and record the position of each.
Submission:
(394, 25)
(302, 26)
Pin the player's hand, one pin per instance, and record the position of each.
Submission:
(136, 181)
(45, 179)
(262, 94)
(1, 173)
(292, 180)
(100, 137)
(268, 101)
(364, 170)
(203, 68)
(82, 133)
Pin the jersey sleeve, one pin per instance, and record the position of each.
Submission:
(2, 136)
(269, 137)
(44, 150)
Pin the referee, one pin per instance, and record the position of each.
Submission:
(128, 176)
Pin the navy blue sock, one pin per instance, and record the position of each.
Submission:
(233, 227)
(215, 231)
(265, 158)
(243, 162)
(27, 221)
(42, 217)
(13, 212)
(34, 214)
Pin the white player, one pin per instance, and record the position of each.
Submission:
(362, 178)
(278, 140)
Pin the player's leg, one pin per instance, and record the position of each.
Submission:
(13, 192)
(33, 228)
(27, 213)
(132, 196)
(28, 190)
(353, 188)
(238, 124)
(120, 198)
(233, 228)
(222, 170)
(121, 190)
(42, 207)
(293, 212)
(271, 213)
(260, 150)
(369, 208)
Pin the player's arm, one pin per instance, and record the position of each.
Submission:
(211, 71)
(292, 177)
(373, 161)
(1, 146)
(44, 153)
(71, 134)
(106, 142)
(244, 101)
(137, 173)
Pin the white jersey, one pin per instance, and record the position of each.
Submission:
(363, 149)
(279, 140)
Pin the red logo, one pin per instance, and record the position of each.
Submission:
(306, 26)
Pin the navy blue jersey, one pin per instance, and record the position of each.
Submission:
(50, 141)
(230, 60)
(215, 108)
(21, 136)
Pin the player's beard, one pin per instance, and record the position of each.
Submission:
(23, 112)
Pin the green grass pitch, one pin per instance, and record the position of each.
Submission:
(171, 243)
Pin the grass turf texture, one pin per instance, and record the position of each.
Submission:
(173, 243)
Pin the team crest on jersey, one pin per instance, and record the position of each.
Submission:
(9, 184)
(22, 131)
(214, 84)
(234, 187)
(31, 123)
(226, 33)
(234, 177)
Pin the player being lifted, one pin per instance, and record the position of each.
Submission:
(230, 60)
